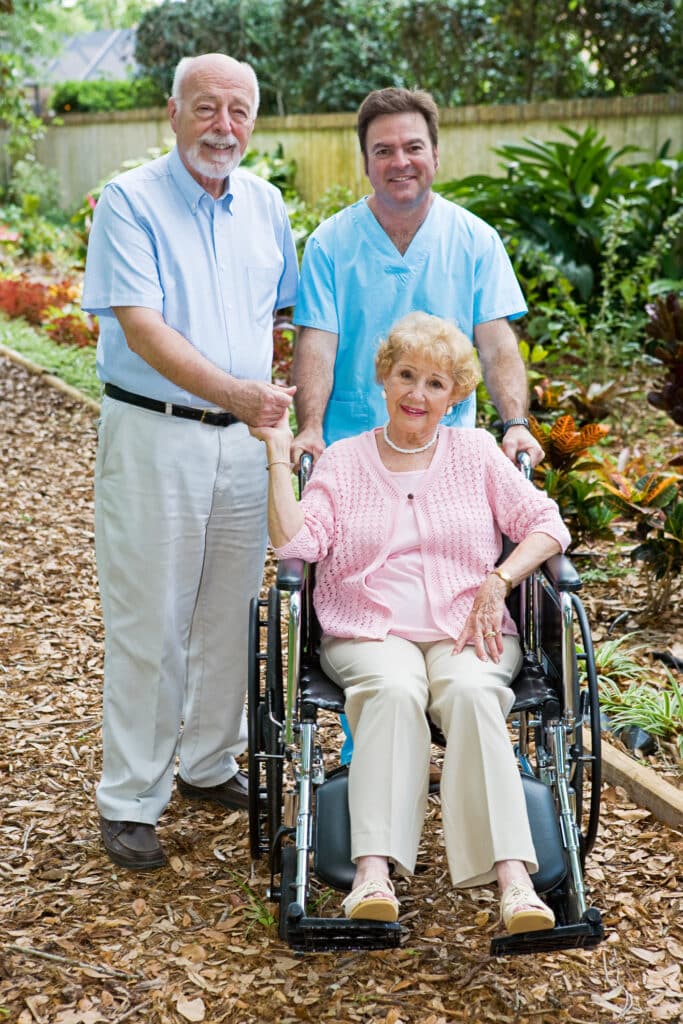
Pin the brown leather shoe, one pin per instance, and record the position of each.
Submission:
(233, 794)
(132, 845)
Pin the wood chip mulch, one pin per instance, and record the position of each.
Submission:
(83, 942)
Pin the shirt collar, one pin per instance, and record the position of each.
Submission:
(191, 191)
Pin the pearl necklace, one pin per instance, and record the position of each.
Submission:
(407, 451)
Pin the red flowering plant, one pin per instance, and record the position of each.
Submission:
(78, 329)
(50, 305)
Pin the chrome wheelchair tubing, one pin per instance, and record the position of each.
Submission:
(526, 592)
(304, 818)
(568, 668)
(568, 826)
(293, 664)
(305, 470)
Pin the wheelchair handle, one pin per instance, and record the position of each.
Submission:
(525, 464)
(305, 470)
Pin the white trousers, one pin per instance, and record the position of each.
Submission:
(389, 685)
(180, 538)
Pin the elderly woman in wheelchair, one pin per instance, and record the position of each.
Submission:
(405, 524)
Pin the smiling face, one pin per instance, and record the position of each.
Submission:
(418, 394)
(213, 118)
(400, 160)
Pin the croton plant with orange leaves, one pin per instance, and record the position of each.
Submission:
(565, 445)
(565, 474)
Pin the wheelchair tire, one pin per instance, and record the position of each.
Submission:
(274, 714)
(265, 709)
(588, 774)
(256, 742)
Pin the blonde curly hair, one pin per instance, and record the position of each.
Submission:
(435, 340)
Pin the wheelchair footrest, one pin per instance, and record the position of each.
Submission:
(318, 934)
(584, 934)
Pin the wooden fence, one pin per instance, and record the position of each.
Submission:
(88, 148)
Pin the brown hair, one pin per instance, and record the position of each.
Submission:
(433, 339)
(397, 101)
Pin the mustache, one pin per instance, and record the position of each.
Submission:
(217, 139)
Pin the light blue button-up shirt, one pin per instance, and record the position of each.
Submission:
(216, 269)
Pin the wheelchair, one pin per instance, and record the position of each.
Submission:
(298, 809)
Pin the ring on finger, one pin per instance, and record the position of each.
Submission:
(491, 632)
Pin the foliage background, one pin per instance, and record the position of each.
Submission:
(320, 55)
(325, 55)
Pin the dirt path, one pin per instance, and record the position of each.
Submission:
(85, 943)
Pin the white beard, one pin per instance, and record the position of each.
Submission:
(219, 167)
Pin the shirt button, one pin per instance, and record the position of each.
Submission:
(411, 496)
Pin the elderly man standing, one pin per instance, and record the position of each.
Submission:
(189, 259)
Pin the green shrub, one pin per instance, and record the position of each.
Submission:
(640, 705)
(106, 95)
(556, 202)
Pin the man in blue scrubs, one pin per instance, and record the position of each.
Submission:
(189, 258)
(402, 248)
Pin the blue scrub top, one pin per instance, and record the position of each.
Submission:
(216, 269)
(356, 284)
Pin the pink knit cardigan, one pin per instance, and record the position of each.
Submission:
(468, 497)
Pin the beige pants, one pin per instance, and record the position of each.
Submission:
(180, 535)
(389, 685)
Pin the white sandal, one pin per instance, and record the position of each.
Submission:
(374, 900)
(522, 910)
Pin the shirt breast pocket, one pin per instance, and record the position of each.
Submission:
(262, 284)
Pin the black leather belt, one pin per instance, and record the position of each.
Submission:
(186, 412)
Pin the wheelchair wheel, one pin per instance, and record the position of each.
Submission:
(265, 712)
(587, 779)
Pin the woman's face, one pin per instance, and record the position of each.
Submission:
(418, 395)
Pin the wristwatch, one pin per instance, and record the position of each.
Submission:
(516, 421)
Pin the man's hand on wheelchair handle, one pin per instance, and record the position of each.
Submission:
(483, 626)
(519, 439)
(310, 440)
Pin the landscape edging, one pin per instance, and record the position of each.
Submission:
(55, 382)
(645, 787)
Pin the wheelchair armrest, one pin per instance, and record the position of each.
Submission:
(560, 571)
(291, 573)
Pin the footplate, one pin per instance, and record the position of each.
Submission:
(317, 934)
(586, 933)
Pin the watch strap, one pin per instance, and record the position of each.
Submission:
(516, 421)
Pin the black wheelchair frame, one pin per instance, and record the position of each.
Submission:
(298, 812)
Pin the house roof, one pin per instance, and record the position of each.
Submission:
(109, 53)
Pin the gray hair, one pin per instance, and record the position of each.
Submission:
(184, 66)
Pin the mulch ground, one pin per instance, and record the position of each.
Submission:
(84, 942)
